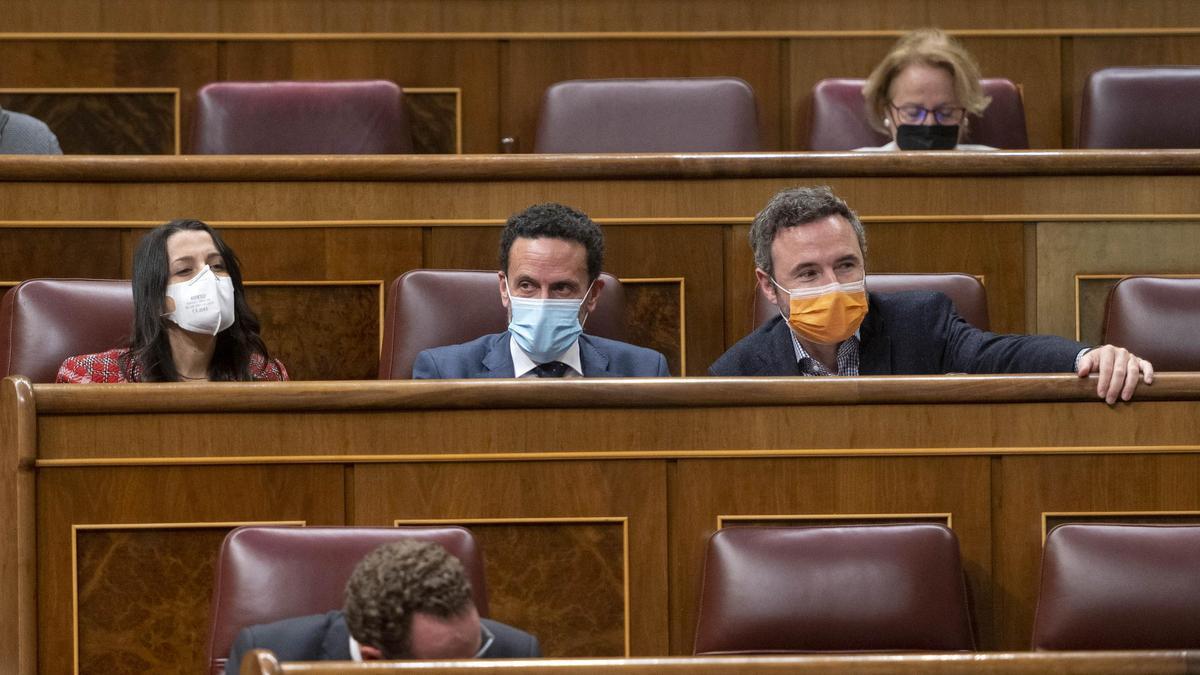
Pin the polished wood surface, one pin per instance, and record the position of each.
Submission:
(1128, 663)
(599, 495)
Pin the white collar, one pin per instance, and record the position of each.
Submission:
(355, 650)
(522, 364)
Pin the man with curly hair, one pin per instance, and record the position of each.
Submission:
(408, 599)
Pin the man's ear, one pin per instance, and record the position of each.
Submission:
(766, 286)
(590, 303)
(370, 653)
(503, 289)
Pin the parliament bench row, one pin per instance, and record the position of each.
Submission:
(44, 321)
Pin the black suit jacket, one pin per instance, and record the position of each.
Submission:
(326, 637)
(908, 333)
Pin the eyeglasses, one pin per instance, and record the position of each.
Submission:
(915, 114)
(486, 639)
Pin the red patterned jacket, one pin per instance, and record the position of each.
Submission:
(105, 367)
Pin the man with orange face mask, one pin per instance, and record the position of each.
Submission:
(809, 251)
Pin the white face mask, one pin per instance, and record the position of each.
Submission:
(203, 304)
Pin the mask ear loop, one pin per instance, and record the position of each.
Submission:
(583, 305)
(786, 317)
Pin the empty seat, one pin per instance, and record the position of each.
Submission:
(702, 114)
(267, 574)
(1156, 318)
(857, 588)
(1157, 107)
(43, 321)
(1119, 587)
(839, 117)
(289, 118)
(433, 308)
(964, 290)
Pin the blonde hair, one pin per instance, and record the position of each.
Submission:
(931, 47)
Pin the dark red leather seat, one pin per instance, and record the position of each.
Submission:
(43, 321)
(844, 589)
(267, 574)
(291, 118)
(839, 117)
(698, 114)
(433, 308)
(1119, 587)
(1157, 318)
(968, 295)
(1156, 107)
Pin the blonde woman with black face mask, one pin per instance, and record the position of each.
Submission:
(922, 93)
(191, 321)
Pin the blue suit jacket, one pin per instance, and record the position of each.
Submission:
(490, 356)
(908, 333)
(326, 637)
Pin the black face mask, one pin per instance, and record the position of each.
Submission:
(927, 136)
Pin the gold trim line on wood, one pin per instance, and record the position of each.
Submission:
(722, 518)
(657, 220)
(1046, 515)
(78, 527)
(220, 36)
(89, 90)
(613, 455)
(317, 282)
(623, 520)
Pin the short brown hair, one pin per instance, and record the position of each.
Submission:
(931, 47)
(797, 206)
(397, 580)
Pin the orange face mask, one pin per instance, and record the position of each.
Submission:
(827, 314)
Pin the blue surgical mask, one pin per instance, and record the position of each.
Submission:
(544, 328)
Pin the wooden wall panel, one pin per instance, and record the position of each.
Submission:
(321, 331)
(29, 253)
(1065, 250)
(168, 498)
(1029, 487)
(528, 68)
(419, 16)
(654, 317)
(103, 122)
(993, 251)
(469, 65)
(703, 490)
(517, 491)
(526, 558)
(1090, 53)
(103, 63)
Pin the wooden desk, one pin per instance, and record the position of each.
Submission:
(1013, 663)
(592, 499)
(1048, 232)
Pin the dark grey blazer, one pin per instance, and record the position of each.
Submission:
(489, 356)
(908, 333)
(21, 134)
(326, 637)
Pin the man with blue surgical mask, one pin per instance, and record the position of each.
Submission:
(549, 281)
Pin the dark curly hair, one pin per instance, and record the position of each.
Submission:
(559, 222)
(396, 580)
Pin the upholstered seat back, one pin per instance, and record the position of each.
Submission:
(434, 308)
(1157, 107)
(856, 588)
(839, 117)
(1157, 318)
(967, 293)
(43, 321)
(291, 118)
(701, 114)
(266, 574)
(1119, 587)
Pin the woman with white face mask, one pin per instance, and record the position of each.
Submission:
(191, 322)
